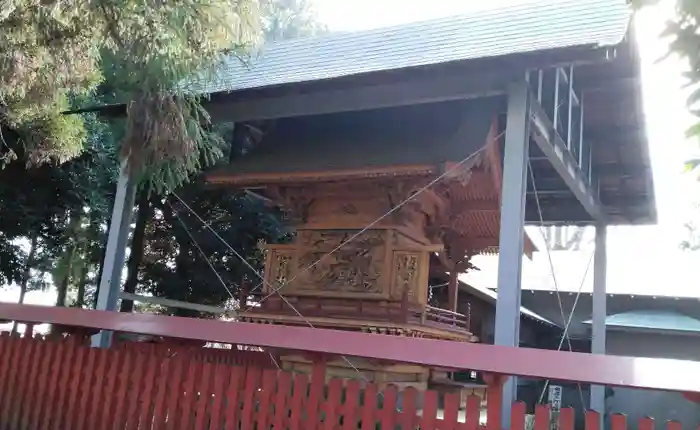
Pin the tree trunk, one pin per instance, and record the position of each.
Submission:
(182, 261)
(62, 288)
(25, 276)
(136, 254)
(62, 291)
(82, 282)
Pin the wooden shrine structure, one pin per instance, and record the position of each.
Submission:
(337, 175)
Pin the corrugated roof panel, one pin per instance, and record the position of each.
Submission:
(525, 28)
(654, 320)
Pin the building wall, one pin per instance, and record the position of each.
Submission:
(662, 406)
(483, 317)
(635, 404)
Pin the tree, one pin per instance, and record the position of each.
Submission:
(692, 243)
(139, 53)
(182, 259)
(62, 54)
(289, 19)
(683, 33)
(36, 203)
(169, 264)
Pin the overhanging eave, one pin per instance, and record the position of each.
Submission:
(405, 93)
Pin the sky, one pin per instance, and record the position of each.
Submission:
(642, 260)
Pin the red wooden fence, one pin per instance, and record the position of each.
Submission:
(63, 384)
(631, 372)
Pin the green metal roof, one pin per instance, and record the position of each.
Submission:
(653, 320)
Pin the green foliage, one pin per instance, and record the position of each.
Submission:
(173, 265)
(289, 19)
(38, 195)
(159, 163)
(11, 258)
(683, 33)
(139, 49)
(35, 202)
(693, 241)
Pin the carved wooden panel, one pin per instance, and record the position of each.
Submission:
(279, 268)
(410, 274)
(405, 274)
(342, 261)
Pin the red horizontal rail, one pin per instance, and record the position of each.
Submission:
(635, 372)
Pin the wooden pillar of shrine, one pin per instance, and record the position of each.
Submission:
(453, 290)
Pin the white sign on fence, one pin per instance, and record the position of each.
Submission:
(555, 397)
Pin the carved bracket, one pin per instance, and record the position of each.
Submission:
(295, 202)
(279, 267)
(410, 275)
(405, 274)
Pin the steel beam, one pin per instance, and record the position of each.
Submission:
(570, 113)
(113, 264)
(554, 148)
(512, 230)
(599, 310)
(615, 371)
(580, 140)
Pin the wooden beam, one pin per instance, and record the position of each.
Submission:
(366, 97)
(617, 371)
(452, 291)
(554, 148)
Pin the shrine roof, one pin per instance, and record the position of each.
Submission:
(531, 27)
(472, 56)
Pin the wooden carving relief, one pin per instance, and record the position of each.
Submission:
(280, 267)
(406, 274)
(355, 267)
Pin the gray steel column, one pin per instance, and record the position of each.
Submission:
(511, 242)
(111, 281)
(599, 310)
